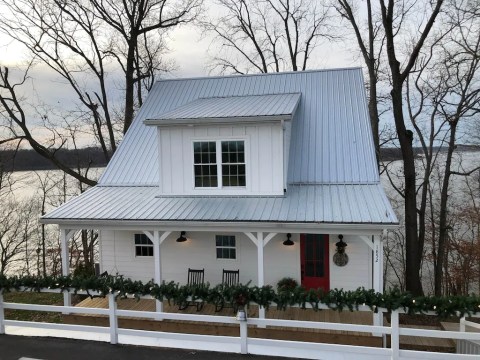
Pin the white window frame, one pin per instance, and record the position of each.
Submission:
(226, 247)
(135, 245)
(218, 148)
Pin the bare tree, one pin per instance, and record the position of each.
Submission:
(85, 42)
(268, 35)
(460, 84)
(16, 228)
(132, 21)
(371, 47)
(400, 62)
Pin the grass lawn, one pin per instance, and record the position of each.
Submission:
(33, 298)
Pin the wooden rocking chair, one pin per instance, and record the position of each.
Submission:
(195, 278)
(229, 278)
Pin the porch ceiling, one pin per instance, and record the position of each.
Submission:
(303, 204)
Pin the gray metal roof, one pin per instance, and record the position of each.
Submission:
(355, 204)
(332, 171)
(331, 139)
(231, 108)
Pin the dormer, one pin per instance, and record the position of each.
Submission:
(226, 146)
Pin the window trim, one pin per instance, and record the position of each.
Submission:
(135, 245)
(226, 247)
(218, 141)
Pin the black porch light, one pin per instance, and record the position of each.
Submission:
(341, 245)
(182, 237)
(289, 241)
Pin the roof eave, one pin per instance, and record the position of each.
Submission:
(218, 121)
(305, 227)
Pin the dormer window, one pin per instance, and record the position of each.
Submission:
(227, 169)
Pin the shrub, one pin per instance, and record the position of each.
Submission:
(287, 284)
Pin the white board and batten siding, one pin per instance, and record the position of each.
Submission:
(199, 252)
(263, 158)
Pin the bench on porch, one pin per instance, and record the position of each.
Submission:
(229, 278)
(194, 278)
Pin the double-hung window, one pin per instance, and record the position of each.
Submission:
(226, 248)
(143, 245)
(219, 163)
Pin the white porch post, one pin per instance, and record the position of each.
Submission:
(377, 263)
(157, 240)
(377, 274)
(260, 242)
(65, 235)
(157, 266)
(261, 270)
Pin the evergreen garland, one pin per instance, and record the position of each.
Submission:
(244, 294)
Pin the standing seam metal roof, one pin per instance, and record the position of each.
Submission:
(332, 171)
(233, 107)
(356, 204)
(331, 139)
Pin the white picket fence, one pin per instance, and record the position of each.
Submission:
(242, 344)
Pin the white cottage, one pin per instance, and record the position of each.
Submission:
(261, 173)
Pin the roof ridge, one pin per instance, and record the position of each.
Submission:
(243, 96)
(259, 74)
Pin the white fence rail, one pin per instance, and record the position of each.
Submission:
(465, 346)
(243, 343)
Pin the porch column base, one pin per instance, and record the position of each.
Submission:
(261, 315)
(159, 306)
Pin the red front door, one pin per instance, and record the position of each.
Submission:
(314, 261)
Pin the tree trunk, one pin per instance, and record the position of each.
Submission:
(129, 82)
(373, 110)
(443, 232)
(412, 244)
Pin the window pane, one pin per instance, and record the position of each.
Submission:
(309, 268)
(320, 269)
(233, 163)
(242, 181)
(138, 251)
(219, 253)
(309, 248)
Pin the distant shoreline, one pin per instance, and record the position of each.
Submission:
(29, 160)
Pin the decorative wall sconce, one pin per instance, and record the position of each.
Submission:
(289, 241)
(340, 258)
(182, 237)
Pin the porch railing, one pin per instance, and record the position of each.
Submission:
(243, 343)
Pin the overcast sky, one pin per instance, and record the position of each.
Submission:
(188, 49)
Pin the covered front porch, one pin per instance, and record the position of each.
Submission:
(263, 256)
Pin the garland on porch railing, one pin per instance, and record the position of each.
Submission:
(266, 296)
